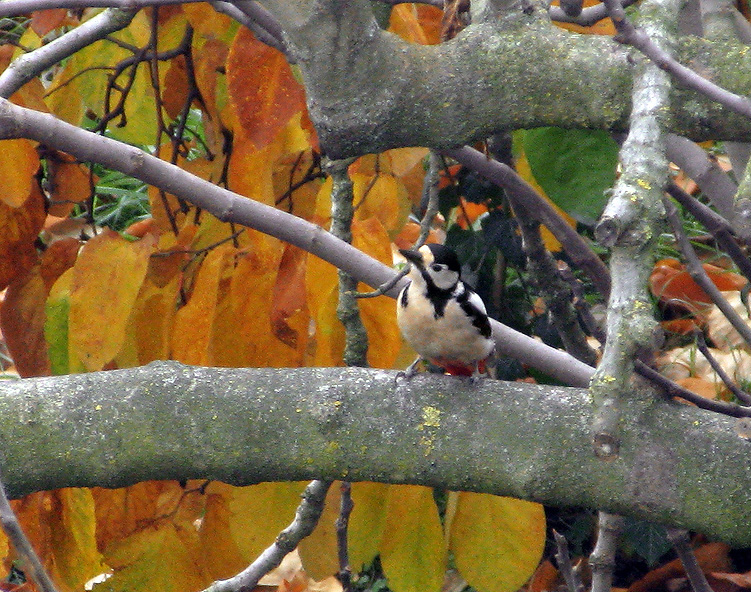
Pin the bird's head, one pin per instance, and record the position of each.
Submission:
(435, 265)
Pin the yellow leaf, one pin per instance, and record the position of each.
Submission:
(106, 280)
(322, 290)
(497, 542)
(385, 198)
(259, 513)
(378, 314)
(153, 318)
(18, 166)
(194, 321)
(73, 526)
(318, 552)
(367, 522)
(123, 511)
(159, 557)
(243, 333)
(413, 551)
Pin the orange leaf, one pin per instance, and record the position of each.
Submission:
(262, 89)
(670, 281)
(175, 87)
(289, 294)
(18, 166)
(416, 23)
(193, 324)
(106, 280)
(69, 183)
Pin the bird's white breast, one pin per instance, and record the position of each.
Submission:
(451, 336)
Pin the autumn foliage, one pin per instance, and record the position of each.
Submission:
(182, 285)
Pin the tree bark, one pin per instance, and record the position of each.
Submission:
(369, 90)
(678, 465)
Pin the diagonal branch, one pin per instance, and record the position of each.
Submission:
(639, 39)
(32, 64)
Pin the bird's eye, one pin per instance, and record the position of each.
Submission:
(436, 267)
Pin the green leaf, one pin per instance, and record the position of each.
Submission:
(413, 550)
(56, 325)
(574, 168)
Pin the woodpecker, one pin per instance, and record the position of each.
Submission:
(441, 317)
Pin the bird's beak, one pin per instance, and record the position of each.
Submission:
(412, 256)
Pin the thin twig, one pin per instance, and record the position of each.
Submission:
(716, 225)
(572, 579)
(306, 518)
(699, 275)
(602, 559)
(701, 345)
(636, 37)
(23, 547)
(342, 524)
(674, 390)
(682, 545)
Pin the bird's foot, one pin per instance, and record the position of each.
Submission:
(409, 371)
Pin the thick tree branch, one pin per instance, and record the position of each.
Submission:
(368, 90)
(243, 426)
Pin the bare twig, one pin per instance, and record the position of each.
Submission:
(572, 579)
(342, 524)
(682, 545)
(674, 390)
(504, 176)
(306, 518)
(554, 290)
(22, 545)
(713, 181)
(716, 225)
(588, 16)
(701, 345)
(699, 275)
(602, 559)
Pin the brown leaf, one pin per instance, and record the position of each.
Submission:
(44, 21)
(711, 557)
(22, 320)
(19, 228)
